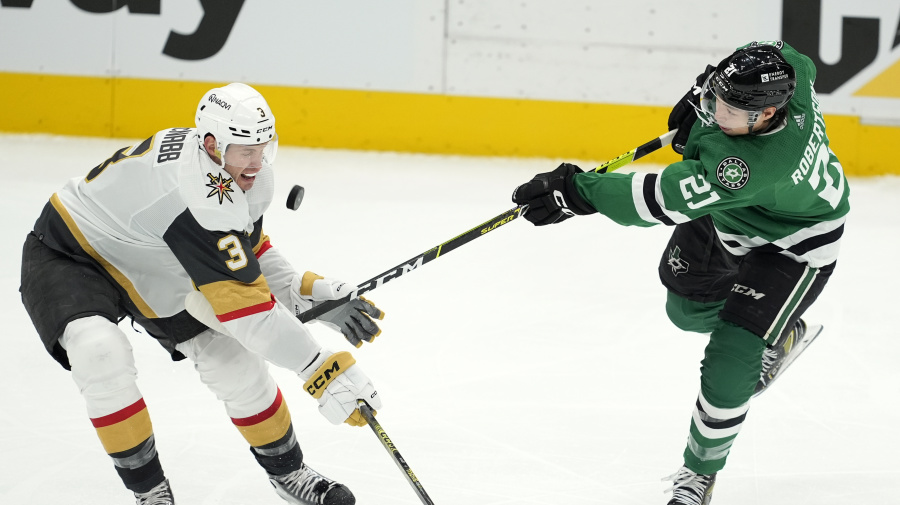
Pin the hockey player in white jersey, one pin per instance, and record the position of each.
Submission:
(182, 211)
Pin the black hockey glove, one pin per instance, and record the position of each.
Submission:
(684, 114)
(551, 196)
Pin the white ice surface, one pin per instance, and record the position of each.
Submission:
(530, 366)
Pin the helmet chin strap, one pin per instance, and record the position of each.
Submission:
(220, 155)
(217, 157)
(752, 119)
(773, 122)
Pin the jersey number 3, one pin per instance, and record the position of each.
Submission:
(231, 244)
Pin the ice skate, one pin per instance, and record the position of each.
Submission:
(159, 495)
(307, 487)
(689, 488)
(776, 360)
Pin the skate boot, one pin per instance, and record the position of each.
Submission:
(159, 495)
(307, 487)
(690, 488)
(773, 360)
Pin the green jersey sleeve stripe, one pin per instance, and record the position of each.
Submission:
(649, 202)
(649, 195)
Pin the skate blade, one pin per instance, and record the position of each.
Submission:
(812, 332)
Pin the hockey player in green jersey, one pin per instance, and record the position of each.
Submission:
(758, 206)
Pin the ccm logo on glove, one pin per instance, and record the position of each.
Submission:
(327, 372)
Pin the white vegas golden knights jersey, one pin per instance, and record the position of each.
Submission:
(161, 219)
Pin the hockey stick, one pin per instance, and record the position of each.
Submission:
(366, 412)
(197, 305)
(478, 231)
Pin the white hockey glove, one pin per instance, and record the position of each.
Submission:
(353, 319)
(336, 382)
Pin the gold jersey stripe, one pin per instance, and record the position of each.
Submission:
(262, 240)
(114, 272)
(231, 295)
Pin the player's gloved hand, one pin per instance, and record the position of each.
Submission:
(353, 319)
(684, 114)
(551, 196)
(336, 382)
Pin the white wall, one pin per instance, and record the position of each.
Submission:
(636, 52)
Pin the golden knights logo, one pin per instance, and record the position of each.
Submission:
(679, 266)
(220, 186)
(733, 173)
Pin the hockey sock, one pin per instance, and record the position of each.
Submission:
(281, 457)
(127, 436)
(271, 437)
(729, 374)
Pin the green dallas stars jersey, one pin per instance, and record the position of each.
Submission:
(783, 191)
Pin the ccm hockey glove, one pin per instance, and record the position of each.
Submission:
(336, 382)
(353, 319)
(684, 114)
(551, 196)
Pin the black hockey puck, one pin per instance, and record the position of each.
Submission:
(295, 197)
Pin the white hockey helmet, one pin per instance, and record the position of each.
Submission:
(237, 114)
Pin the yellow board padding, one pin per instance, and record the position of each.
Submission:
(387, 121)
(39, 103)
(884, 85)
(860, 147)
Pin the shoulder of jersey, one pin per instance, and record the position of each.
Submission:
(211, 195)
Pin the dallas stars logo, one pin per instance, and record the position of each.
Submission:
(220, 186)
(733, 173)
(679, 266)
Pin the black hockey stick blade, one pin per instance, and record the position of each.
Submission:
(389, 446)
(470, 235)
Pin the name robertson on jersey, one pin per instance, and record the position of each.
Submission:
(172, 144)
(815, 150)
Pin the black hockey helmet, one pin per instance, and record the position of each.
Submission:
(755, 77)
